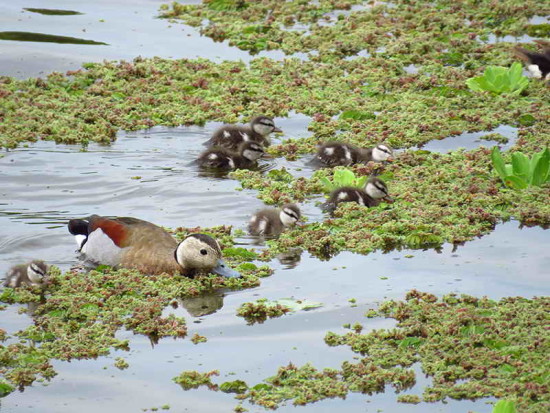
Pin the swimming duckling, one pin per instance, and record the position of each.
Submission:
(538, 64)
(375, 192)
(231, 136)
(221, 158)
(137, 244)
(345, 154)
(31, 274)
(273, 221)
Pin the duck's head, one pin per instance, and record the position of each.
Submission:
(251, 150)
(381, 153)
(37, 271)
(263, 125)
(377, 189)
(202, 253)
(290, 214)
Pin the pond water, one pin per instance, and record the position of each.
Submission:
(149, 174)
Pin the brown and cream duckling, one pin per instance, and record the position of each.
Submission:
(136, 244)
(31, 274)
(273, 221)
(231, 136)
(221, 158)
(345, 154)
(375, 192)
(538, 64)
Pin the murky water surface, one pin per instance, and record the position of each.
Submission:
(150, 174)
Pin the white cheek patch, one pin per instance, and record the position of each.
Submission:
(287, 218)
(34, 275)
(212, 156)
(263, 129)
(252, 155)
(374, 192)
(535, 71)
(101, 249)
(342, 196)
(379, 155)
(226, 134)
(329, 151)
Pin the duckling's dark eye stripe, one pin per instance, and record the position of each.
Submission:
(267, 124)
(385, 190)
(384, 150)
(292, 215)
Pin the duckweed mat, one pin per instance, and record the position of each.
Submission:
(470, 347)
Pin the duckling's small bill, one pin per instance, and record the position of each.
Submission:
(223, 269)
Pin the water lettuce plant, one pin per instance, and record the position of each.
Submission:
(498, 80)
(504, 406)
(523, 172)
(343, 177)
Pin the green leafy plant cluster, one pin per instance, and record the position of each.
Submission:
(500, 80)
(505, 406)
(343, 177)
(523, 172)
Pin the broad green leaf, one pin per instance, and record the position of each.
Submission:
(5, 388)
(504, 406)
(498, 162)
(520, 165)
(541, 171)
(515, 182)
(509, 169)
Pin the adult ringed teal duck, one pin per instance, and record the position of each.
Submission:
(133, 243)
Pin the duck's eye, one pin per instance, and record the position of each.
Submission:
(204, 252)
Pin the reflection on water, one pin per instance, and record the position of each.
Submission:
(46, 38)
(53, 12)
(472, 140)
(202, 305)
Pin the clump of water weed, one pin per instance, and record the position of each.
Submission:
(194, 379)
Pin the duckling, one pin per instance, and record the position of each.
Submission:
(375, 192)
(31, 274)
(345, 154)
(221, 158)
(136, 244)
(273, 221)
(231, 136)
(538, 64)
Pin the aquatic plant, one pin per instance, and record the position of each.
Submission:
(262, 309)
(500, 80)
(504, 406)
(470, 347)
(343, 177)
(522, 172)
(193, 379)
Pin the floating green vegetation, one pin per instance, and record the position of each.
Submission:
(499, 80)
(523, 172)
(46, 38)
(505, 406)
(471, 348)
(400, 28)
(539, 30)
(82, 313)
(193, 380)
(343, 177)
(53, 12)
(262, 309)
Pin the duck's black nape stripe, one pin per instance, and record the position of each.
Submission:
(78, 227)
(207, 240)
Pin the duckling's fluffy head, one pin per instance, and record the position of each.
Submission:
(37, 271)
(376, 188)
(198, 252)
(290, 214)
(381, 153)
(263, 125)
(251, 150)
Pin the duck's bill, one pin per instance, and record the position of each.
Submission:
(388, 199)
(277, 130)
(223, 269)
